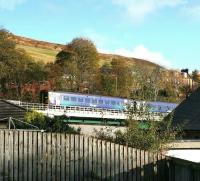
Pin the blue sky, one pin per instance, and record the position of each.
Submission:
(162, 31)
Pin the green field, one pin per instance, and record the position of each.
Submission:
(40, 54)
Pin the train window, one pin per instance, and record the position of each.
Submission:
(113, 102)
(107, 102)
(100, 101)
(94, 101)
(87, 100)
(66, 98)
(80, 99)
(73, 99)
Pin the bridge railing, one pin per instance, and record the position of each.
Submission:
(42, 107)
(33, 106)
(85, 110)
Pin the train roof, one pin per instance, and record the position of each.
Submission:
(86, 94)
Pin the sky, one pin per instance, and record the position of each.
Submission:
(166, 32)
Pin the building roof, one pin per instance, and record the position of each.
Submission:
(187, 155)
(187, 113)
(8, 109)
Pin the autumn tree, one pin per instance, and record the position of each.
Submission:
(54, 74)
(87, 56)
(123, 75)
(79, 61)
(65, 55)
(6, 49)
(142, 88)
(154, 84)
(108, 81)
(16, 67)
(67, 60)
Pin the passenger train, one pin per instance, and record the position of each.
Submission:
(85, 100)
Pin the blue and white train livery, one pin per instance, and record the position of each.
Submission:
(85, 100)
(161, 107)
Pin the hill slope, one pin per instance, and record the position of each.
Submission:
(39, 54)
(46, 52)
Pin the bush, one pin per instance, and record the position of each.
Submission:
(48, 124)
(146, 135)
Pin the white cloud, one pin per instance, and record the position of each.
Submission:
(10, 4)
(192, 11)
(97, 38)
(139, 9)
(141, 52)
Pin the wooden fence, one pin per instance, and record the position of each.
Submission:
(182, 170)
(30, 156)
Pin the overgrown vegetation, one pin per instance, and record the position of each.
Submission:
(55, 124)
(149, 135)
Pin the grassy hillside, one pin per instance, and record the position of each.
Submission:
(40, 54)
(46, 52)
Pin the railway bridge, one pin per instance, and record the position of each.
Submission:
(88, 115)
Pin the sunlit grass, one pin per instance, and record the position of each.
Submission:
(40, 54)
